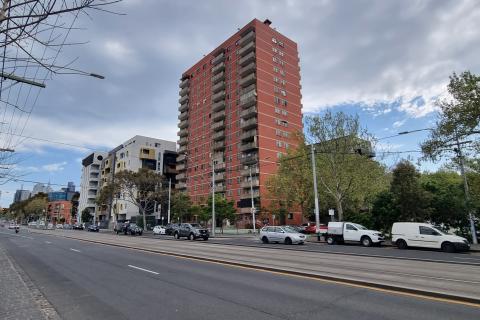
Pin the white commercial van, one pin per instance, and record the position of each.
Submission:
(424, 235)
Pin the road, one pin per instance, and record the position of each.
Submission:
(90, 281)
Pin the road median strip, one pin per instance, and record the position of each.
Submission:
(407, 291)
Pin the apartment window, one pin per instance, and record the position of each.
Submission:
(280, 43)
(283, 92)
(274, 49)
(290, 216)
(274, 40)
(282, 72)
(283, 103)
(281, 53)
(277, 100)
(275, 59)
(275, 79)
(276, 89)
(283, 82)
(275, 69)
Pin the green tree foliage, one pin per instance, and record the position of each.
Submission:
(224, 210)
(86, 215)
(346, 173)
(75, 202)
(29, 209)
(181, 206)
(459, 117)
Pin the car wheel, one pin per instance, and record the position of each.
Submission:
(191, 237)
(288, 241)
(301, 243)
(448, 247)
(205, 238)
(331, 240)
(401, 244)
(366, 241)
(176, 236)
(264, 239)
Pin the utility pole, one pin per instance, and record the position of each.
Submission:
(467, 193)
(253, 203)
(169, 198)
(111, 196)
(317, 210)
(213, 197)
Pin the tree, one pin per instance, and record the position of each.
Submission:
(36, 205)
(345, 170)
(459, 118)
(75, 202)
(142, 188)
(224, 210)
(181, 206)
(86, 215)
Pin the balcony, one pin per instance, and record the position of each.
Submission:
(249, 36)
(219, 115)
(183, 99)
(220, 166)
(184, 91)
(183, 141)
(246, 172)
(247, 69)
(181, 186)
(183, 133)
(181, 177)
(219, 86)
(220, 125)
(218, 77)
(183, 124)
(248, 135)
(248, 47)
(219, 146)
(184, 83)
(183, 107)
(218, 96)
(251, 123)
(218, 58)
(220, 188)
(246, 184)
(220, 105)
(248, 113)
(220, 135)
(219, 67)
(249, 146)
(219, 176)
(248, 195)
(247, 80)
(245, 60)
(182, 149)
(181, 158)
(181, 167)
(248, 102)
(250, 159)
(183, 116)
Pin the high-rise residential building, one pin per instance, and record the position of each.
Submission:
(240, 107)
(90, 182)
(136, 153)
(21, 195)
(41, 188)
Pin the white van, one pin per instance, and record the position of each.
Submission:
(424, 235)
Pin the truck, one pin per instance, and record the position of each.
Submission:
(341, 232)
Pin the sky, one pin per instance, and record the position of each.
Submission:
(387, 61)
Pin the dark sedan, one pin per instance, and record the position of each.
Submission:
(93, 228)
(77, 227)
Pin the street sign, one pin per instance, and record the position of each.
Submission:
(331, 212)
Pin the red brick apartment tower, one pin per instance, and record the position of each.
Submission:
(240, 107)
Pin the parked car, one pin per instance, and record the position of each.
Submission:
(77, 226)
(59, 226)
(159, 230)
(311, 227)
(93, 228)
(170, 228)
(67, 226)
(340, 232)
(134, 229)
(12, 226)
(191, 231)
(50, 226)
(283, 234)
(424, 235)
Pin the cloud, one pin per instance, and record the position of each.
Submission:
(399, 123)
(54, 167)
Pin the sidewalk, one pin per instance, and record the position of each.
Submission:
(19, 297)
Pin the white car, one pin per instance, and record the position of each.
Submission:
(50, 226)
(159, 230)
(59, 226)
(12, 226)
(286, 235)
(424, 235)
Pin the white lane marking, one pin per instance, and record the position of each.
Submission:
(47, 242)
(75, 250)
(146, 270)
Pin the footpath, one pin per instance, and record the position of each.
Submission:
(19, 298)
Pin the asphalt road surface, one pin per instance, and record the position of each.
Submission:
(91, 281)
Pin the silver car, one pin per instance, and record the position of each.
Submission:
(285, 235)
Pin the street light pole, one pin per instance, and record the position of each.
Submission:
(169, 198)
(314, 172)
(253, 203)
(213, 197)
(467, 193)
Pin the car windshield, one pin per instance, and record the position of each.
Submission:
(133, 225)
(359, 226)
(290, 229)
(196, 225)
